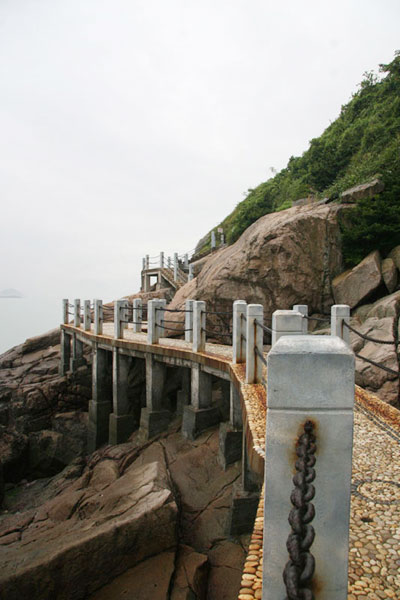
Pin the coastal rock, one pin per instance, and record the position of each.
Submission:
(191, 575)
(66, 546)
(355, 285)
(388, 306)
(368, 376)
(389, 274)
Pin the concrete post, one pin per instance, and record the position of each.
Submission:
(169, 262)
(310, 380)
(340, 313)
(239, 329)
(186, 260)
(65, 351)
(161, 260)
(190, 276)
(77, 313)
(189, 320)
(200, 415)
(86, 315)
(286, 322)
(98, 317)
(77, 359)
(147, 261)
(120, 316)
(65, 316)
(222, 239)
(303, 310)
(176, 267)
(254, 339)
(100, 405)
(161, 304)
(154, 418)
(137, 315)
(143, 264)
(213, 240)
(199, 325)
(235, 418)
(155, 319)
(121, 422)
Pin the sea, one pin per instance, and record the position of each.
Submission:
(21, 318)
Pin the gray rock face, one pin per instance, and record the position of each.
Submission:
(389, 274)
(355, 285)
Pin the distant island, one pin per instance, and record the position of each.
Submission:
(10, 293)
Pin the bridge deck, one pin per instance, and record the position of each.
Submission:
(374, 560)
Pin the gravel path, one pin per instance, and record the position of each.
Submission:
(374, 559)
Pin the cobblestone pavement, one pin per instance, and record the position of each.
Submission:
(374, 548)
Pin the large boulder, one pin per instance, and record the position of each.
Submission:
(284, 258)
(356, 285)
(365, 190)
(395, 256)
(389, 274)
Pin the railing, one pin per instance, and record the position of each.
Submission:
(310, 391)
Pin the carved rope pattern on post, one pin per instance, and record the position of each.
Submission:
(299, 570)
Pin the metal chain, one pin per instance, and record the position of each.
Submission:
(372, 362)
(261, 356)
(299, 570)
(366, 337)
(264, 327)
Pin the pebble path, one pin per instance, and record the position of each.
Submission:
(374, 546)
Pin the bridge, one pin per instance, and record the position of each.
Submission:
(317, 428)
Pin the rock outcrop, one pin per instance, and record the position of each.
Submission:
(140, 520)
(42, 425)
(356, 285)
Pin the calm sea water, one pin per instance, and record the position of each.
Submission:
(21, 318)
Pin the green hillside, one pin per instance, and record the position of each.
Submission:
(363, 142)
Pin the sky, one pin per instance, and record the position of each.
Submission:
(128, 127)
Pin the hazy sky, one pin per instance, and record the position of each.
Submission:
(128, 127)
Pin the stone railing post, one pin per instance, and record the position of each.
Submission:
(213, 240)
(147, 261)
(190, 276)
(175, 267)
(86, 315)
(303, 310)
(77, 313)
(98, 317)
(199, 326)
(155, 320)
(239, 331)
(189, 320)
(340, 313)
(186, 260)
(120, 310)
(169, 262)
(161, 260)
(160, 315)
(137, 315)
(254, 340)
(65, 316)
(286, 322)
(310, 401)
